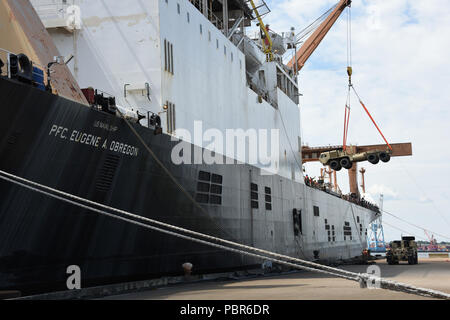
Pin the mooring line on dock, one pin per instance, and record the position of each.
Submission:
(363, 279)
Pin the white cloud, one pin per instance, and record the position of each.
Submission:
(424, 199)
(377, 190)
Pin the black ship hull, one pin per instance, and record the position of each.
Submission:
(94, 155)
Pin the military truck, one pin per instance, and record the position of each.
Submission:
(338, 159)
(404, 250)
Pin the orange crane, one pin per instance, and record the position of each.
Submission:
(308, 48)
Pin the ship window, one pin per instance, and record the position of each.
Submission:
(240, 64)
(209, 36)
(168, 56)
(254, 196)
(215, 200)
(232, 57)
(201, 29)
(316, 211)
(216, 189)
(210, 188)
(171, 59)
(165, 55)
(204, 176)
(217, 179)
(171, 124)
(330, 231)
(188, 17)
(268, 199)
(202, 198)
(203, 187)
(217, 43)
(347, 230)
(178, 8)
(224, 50)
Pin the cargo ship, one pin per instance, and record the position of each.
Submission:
(167, 67)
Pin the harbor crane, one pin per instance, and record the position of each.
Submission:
(307, 49)
(433, 242)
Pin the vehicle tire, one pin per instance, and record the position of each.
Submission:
(389, 261)
(385, 157)
(335, 165)
(346, 163)
(411, 261)
(373, 159)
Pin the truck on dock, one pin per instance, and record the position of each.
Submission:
(403, 250)
(338, 159)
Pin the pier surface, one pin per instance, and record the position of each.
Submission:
(430, 273)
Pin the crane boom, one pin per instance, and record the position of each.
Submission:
(316, 38)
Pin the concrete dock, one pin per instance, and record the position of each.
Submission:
(430, 273)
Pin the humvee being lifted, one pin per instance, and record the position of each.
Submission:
(338, 159)
(404, 250)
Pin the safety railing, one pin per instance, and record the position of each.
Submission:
(210, 15)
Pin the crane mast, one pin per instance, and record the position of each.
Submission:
(316, 38)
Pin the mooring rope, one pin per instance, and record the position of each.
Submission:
(363, 279)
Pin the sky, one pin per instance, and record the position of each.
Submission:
(401, 51)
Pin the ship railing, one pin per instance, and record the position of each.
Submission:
(328, 188)
(260, 5)
(216, 21)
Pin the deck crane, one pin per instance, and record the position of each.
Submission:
(308, 48)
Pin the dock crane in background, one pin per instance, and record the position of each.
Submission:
(433, 247)
(375, 239)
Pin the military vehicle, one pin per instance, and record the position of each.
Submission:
(338, 159)
(404, 250)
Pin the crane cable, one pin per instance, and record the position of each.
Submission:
(349, 72)
(351, 87)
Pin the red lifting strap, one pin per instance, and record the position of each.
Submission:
(371, 118)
